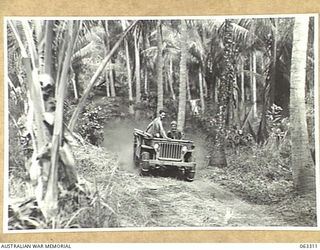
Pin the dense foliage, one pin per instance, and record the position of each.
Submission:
(236, 71)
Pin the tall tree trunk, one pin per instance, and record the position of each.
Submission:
(110, 71)
(103, 64)
(201, 91)
(251, 77)
(254, 83)
(159, 68)
(188, 88)
(216, 89)
(166, 80)
(183, 76)
(266, 65)
(111, 80)
(145, 81)
(170, 79)
(302, 165)
(273, 62)
(106, 70)
(236, 107)
(243, 94)
(224, 97)
(137, 65)
(126, 45)
(205, 86)
(146, 45)
(242, 83)
(107, 83)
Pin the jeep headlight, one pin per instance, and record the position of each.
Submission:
(184, 149)
(156, 146)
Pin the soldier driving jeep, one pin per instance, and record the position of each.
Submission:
(174, 133)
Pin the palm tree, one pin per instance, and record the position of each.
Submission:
(170, 79)
(109, 73)
(126, 45)
(253, 61)
(224, 96)
(159, 67)
(137, 64)
(183, 76)
(302, 165)
(201, 83)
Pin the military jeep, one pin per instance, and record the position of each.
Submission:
(151, 154)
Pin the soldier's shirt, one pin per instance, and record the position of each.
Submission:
(174, 135)
(156, 127)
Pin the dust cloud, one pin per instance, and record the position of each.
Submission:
(118, 138)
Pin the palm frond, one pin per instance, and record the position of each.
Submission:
(18, 38)
(83, 52)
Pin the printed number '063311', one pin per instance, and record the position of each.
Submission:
(308, 246)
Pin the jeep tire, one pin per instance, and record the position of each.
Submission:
(189, 176)
(144, 166)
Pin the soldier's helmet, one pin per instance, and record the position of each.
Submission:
(173, 123)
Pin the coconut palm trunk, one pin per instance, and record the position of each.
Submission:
(201, 91)
(273, 61)
(262, 134)
(302, 165)
(188, 88)
(145, 85)
(170, 79)
(107, 83)
(242, 83)
(137, 65)
(146, 45)
(126, 45)
(183, 76)
(205, 86)
(216, 89)
(254, 83)
(111, 77)
(243, 94)
(224, 99)
(110, 89)
(159, 68)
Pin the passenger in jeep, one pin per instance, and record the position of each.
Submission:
(174, 133)
(155, 128)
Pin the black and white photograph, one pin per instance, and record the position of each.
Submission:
(161, 123)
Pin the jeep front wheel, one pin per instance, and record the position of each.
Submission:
(144, 164)
(189, 176)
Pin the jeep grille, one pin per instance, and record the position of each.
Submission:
(170, 151)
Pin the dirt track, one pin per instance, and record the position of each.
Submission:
(175, 203)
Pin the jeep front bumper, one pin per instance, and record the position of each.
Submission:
(190, 166)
